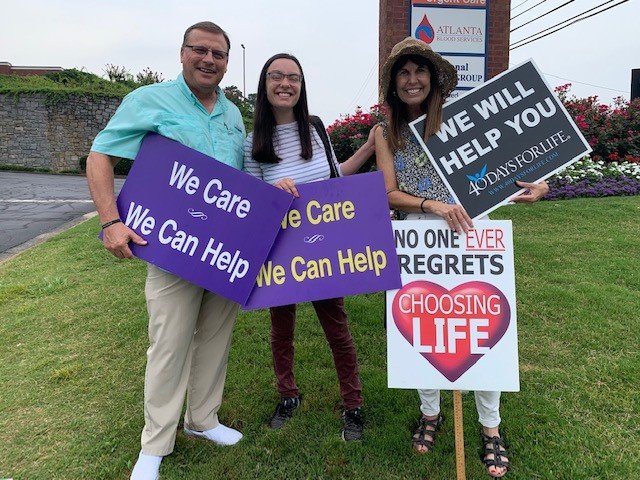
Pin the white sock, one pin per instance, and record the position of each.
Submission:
(221, 435)
(147, 467)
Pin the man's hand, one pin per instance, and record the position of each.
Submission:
(116, 239)
(535, 191)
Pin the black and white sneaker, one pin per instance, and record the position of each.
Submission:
(284, 411)
(353, 425)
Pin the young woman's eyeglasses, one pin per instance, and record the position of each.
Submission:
(279, 76)
(202, 51)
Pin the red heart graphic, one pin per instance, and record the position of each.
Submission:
(457, 327)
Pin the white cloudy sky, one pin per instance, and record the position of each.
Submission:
(335, 40)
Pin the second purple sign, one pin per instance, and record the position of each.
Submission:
(336, 240)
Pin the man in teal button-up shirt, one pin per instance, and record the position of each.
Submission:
(189, 328)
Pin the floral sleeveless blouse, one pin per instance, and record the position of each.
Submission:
(414, 172)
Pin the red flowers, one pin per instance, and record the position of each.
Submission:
(612, 131)
(350, 132)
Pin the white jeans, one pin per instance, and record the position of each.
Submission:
(487, 403)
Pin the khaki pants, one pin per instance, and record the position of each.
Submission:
(190, 335)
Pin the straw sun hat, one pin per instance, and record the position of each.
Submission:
(447, 75)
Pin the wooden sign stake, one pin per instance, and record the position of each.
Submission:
(459, 433)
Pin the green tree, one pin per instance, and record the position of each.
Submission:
(245, 106)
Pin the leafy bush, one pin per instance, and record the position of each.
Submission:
(123, 167)
(116, 73)
(73, 77)
(148, 77)
(612, 131)
(350, 132)
(23, 168)
(58, 85)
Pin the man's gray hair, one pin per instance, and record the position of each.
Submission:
(207, 27)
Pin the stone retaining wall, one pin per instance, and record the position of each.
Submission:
(36, 132)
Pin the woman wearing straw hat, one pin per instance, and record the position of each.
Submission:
(415, 80)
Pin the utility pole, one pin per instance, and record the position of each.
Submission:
(244, 81)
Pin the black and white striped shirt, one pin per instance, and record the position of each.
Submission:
(286, 143)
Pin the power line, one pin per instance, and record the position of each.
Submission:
(584, 83)
(519, 5)
(530, 8)
(363, 86)
(373, 94)
(581, 83)
(563, 21)
(543, 15)
(564, 26)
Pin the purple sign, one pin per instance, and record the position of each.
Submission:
(203, 220)
(336, 240)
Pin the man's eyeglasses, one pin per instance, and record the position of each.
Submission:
(202, 51)
(279, 76)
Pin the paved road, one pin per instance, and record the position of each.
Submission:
(32, 204)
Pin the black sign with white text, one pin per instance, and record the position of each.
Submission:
(511, 128)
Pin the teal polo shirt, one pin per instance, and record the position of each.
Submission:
(172, 110)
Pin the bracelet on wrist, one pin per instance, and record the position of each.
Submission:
(112, 222)
(422, 205)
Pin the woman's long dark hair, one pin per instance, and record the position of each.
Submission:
(264, 122)
(398, 114)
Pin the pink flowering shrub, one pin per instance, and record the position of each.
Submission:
(612, 131)
(350, 132)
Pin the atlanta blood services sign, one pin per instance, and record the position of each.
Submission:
(511, 128)
(452, 325)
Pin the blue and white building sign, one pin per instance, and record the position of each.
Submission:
(457, 30)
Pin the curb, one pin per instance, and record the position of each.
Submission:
(43, 237)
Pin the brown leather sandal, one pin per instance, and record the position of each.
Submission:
(494, 446)
(425, 434)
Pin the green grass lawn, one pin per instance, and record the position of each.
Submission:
(73, 341)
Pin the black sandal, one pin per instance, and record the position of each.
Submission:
(495, 446)
(426, 429)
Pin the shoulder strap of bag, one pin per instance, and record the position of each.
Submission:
(319, 126)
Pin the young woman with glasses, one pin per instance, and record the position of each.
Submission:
(285, 150)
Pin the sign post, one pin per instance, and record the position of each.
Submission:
(459, 435)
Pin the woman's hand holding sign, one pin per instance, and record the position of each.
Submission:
(535, 192)
(288, 185)
(456, 216)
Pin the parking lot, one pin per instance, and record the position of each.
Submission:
(33, 205)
